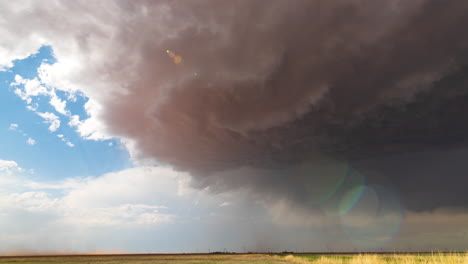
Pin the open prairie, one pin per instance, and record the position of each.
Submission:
(240, 258)
(147, 259)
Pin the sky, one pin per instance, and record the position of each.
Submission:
(176, 126)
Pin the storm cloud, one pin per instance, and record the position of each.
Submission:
(287, 99)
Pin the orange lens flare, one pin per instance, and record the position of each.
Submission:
(177, 59)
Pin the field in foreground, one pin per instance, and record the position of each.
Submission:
(239, 258)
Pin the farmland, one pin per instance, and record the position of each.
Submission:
(439, 258)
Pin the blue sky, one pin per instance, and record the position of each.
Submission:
(50, 157)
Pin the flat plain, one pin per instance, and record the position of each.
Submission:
(437, 258)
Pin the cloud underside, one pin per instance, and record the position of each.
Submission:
(267, 97)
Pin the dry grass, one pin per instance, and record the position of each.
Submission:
(437, 258)
(242, 259)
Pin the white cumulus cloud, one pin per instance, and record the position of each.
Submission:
(30, 88)
(31, 141)
(58, 104)
(13, 126)
(52, 119)
(8, 165)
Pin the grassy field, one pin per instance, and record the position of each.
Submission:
(249, 258)
(382, 259)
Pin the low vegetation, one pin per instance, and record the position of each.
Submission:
(150, 259)
(436, 258)
(439, 258)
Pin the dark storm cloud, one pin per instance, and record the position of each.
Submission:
(278, 83)
(268, 96)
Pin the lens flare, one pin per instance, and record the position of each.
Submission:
(176, 58)
(331, 175)
(372, 217)
(348, 190)
(350, 199)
